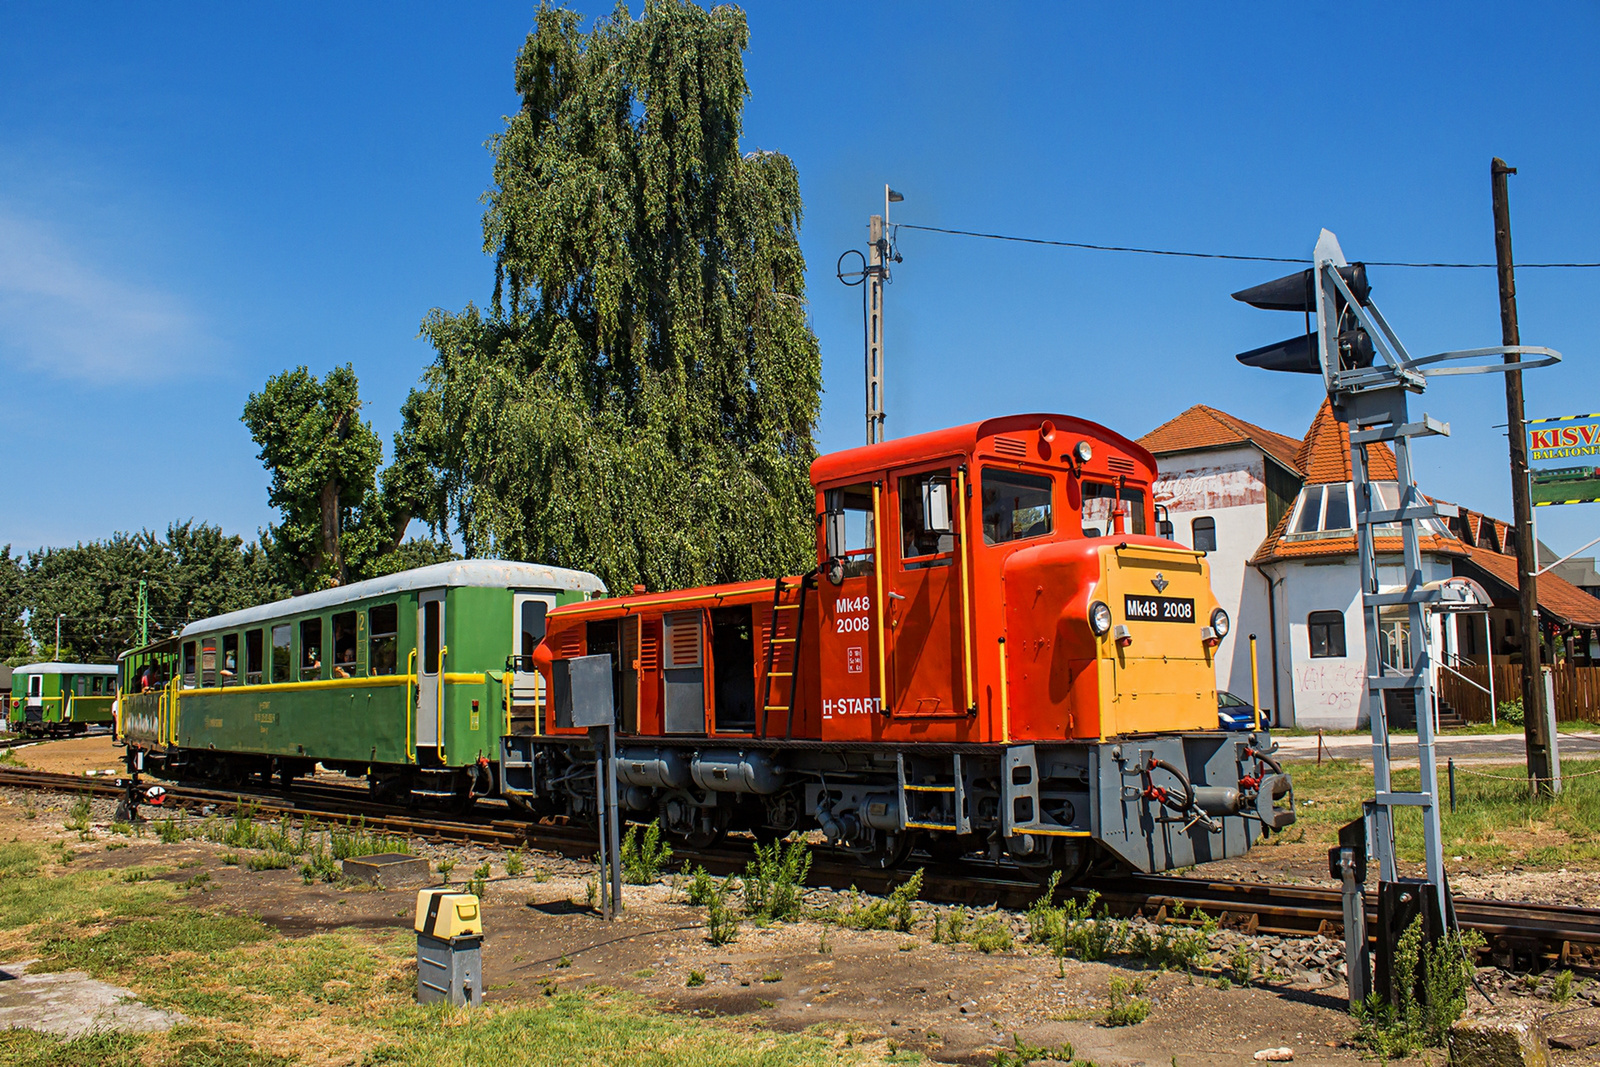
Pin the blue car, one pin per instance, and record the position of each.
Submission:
(1236, 714)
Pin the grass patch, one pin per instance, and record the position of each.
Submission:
(571, 1027)
(1496, 821)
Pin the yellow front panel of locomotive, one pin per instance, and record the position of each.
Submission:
(1157, 672)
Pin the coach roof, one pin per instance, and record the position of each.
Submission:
(474, 573)
(64, 668)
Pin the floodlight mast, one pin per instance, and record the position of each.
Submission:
(1369, 377)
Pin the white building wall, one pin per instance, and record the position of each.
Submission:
(1227, 485)
(1331, 692)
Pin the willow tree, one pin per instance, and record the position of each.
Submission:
(639, 398)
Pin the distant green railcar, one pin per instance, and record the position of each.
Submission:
(407, 680)
(61, 698)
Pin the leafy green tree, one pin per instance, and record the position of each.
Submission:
(195, 571)
(640, 399)
(324, 458)
(15, 646)
(342, 521)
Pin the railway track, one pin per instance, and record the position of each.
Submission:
(1519, 934)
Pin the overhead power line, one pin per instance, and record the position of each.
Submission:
(1090, 247)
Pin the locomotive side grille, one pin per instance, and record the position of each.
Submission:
(1014, 447)
(649, 648)
(571, 645)
(1121, 466)
(682, 638)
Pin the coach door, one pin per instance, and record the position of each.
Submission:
(431, 654)
(923, 598)
(528, 612)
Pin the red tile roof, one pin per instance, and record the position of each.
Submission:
(1205, 427)
(1557, 596)
(1324, 455)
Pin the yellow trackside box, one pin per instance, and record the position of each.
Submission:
(445, 915)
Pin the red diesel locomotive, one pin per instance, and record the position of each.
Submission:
(993, 655)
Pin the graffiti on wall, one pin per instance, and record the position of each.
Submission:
(1210, 488)
(1330, 685)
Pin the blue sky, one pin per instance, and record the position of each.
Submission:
(194, 197)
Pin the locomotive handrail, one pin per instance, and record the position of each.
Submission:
(1005, 697)
(878, 562)
(966, 595)
(1176, 551)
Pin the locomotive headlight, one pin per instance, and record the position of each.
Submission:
(1084, 451)
(1219, 622)
(1099, 618)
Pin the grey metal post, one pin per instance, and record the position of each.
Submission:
(1549, 684)
(1357, 954)
(604, 857)
(876, 270)
(616, 819)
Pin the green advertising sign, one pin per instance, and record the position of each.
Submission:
(1564, 459)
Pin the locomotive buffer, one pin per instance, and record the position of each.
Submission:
(1370, 377)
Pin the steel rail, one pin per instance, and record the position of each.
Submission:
(1518, 934)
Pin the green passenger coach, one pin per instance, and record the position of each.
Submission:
(61, 698)
(406, 680)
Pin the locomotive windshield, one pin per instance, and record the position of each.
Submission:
(1100, 502)
(1015, 506)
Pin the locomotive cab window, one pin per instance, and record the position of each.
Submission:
(230, 659)
(190, 664)
(1016, 506)
(281, 658)
(252, 657)
(850, 536)
(1205, 534)
(383, 629)
(1104, 504)
(310, 649)
(927, 519)
(344, 644)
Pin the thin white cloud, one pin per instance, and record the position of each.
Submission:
(64, 315)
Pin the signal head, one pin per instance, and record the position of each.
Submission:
(1297, 292)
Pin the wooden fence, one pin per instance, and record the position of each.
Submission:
(1577, 691)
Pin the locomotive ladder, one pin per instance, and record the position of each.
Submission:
(791, 640)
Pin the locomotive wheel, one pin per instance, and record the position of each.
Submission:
(698, 839)
(888, 850)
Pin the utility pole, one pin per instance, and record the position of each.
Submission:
(58, 638)
(879, 254)
(875, 281)
(1535, 724)
(144, 615)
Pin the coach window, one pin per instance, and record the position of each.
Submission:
(208, 662)
(310, 649)
(1327, 634)
(1015, 506)
(230, 659)
(189, 665)
(281, 658)
(94, 686)
(850, 536)
(344, 644)
(252, 657)
(1205, 535)
(383, 625)
(927, 520)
